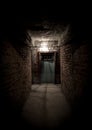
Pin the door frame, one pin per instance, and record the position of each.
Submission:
(39, 53)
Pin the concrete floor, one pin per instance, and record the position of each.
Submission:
(46, 107)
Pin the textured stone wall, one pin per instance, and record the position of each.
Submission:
(57, 68)
(81, 71)
(66, 70)
(15, 75)
(35, 67)
(74, 71)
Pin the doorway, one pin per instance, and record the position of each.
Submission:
(47, 68)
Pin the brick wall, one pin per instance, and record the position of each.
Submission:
(66, 71)
(75, 81)
(57, 68)
(74, 71)
(81, 70)
(35, 67)
(15, 76)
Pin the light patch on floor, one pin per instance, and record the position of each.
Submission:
(46, 107)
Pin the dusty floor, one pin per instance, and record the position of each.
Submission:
(46, 107)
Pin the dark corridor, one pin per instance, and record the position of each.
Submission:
(21, 35)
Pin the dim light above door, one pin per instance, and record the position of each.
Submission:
(44, 47)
